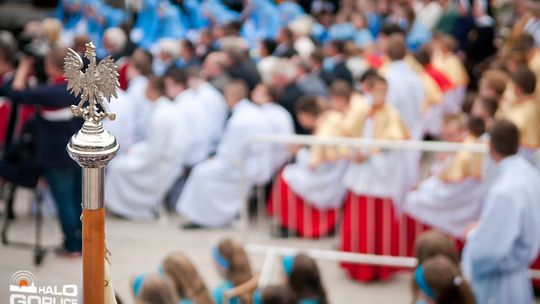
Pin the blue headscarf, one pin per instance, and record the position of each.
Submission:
(170, 19)
(290, 11)
(263, 21)
(220, 12)
(196, 19)
(341, 31)
(72, 18)
(144, 31)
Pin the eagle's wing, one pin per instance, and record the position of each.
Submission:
(107, 78)
(73, 65)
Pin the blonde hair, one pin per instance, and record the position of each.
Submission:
(239, 270)
(51, 30)
(186, 278)
(156, 289)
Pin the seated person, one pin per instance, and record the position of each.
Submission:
(308, 192)
(376, 181)
(153, 288)
(303, 279)
(282, 124)
(186, 279)
(138, 180)
(450, 199)
(439, 280)
(217, 188)
(233, 265)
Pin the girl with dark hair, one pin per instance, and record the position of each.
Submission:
(233, 264)
(304, 279)
(186, 279)
(440, 281)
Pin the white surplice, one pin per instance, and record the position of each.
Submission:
(217, 188)
(281, 122)
(498, 252)
(137, 181)
(123, 127)
(215, 108)
(321, 186)
(381, 175)
(196, 131)
(447, 206)
(143, 108)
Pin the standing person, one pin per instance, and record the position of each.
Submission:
(525, 114)
(138, 180)
(505, 241)
(375, 183)
(54, 126)
(216, 188)
(405, 90)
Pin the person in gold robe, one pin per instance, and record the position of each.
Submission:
(308, 192)
(449, 199)
(375, 180)
(525, 114)
(445, 60)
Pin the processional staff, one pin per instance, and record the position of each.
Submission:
(92, 147)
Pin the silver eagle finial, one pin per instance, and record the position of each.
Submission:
(98, 83)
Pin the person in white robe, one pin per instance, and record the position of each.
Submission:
(217, 188)
(140, 66)
(281, 122)
(137, 181)
(405, 89)
(123, 127)
(505, 241)
(406, 93)
(450, 198)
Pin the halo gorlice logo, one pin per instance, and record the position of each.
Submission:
(24, 290)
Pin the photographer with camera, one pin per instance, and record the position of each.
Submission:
(54, 124)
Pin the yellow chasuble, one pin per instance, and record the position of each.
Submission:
(452, 67)
(330, 124)
(534, 65)
(525, 114)
(463, 164)
(507, 100)
(386, 121)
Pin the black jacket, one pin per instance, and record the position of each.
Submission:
(51, 136)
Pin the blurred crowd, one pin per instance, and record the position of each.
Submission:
(198, 80)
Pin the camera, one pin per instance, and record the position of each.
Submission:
(37, 49)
